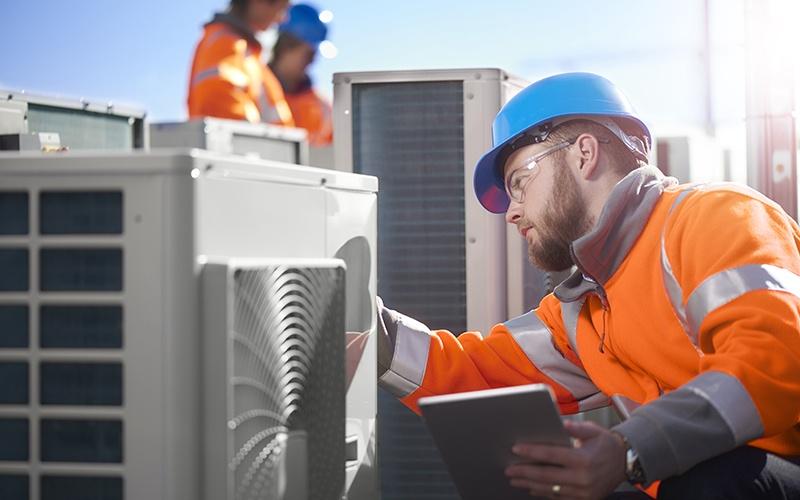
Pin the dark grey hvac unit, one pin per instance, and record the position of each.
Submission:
(279, 389)
(442, 259)
(34, 122)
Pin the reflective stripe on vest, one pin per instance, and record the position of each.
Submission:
(536, 341)
(411, 347)
(725, 286)
(674, 291)
(721, 288)
(269, 112)
(569, 316)
(204, 75)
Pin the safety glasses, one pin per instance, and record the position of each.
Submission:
(519, 178)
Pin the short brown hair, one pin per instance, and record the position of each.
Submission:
(622, 160)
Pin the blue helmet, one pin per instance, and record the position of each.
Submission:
(541, 106)
(302, 21)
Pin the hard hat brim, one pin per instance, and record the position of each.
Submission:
(488, 182)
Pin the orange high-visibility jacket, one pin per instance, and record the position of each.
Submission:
(312, 113)
(686, 301)
(229, 80)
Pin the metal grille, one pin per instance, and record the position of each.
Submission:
(411, 136)
(288, 379)
(60, 420)
(84, 130)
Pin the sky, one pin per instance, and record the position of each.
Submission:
(138, 52)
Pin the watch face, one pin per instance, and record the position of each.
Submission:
(633, 468)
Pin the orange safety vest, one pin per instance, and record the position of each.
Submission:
(312, 113)
(229, 80)
(686, 301)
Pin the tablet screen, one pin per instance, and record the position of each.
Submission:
(475, 431)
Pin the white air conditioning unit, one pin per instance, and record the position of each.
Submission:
(127, 289)
(76, 124)
(254, 140)
(692, 157)
(443, 259)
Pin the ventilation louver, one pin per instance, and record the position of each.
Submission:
(286, 392)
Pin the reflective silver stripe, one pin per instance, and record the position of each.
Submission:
(269, 113)
(598, 400)
(201, 76)
(674, 291)
(569, 316)
(410, 359)
(218, 34)
(536, 341)
(723, 287)
(733, 403)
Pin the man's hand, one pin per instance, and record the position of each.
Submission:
(590, 470)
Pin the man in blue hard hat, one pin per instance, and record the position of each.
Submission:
(684, 307)
(300, 36)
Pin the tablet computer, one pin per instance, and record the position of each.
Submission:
(475, 431)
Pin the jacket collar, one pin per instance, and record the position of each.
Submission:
(235, 24)
(599, 253)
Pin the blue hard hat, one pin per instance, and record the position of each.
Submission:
(545, 104)
(302, 21)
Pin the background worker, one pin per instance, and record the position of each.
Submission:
(294, 51)
(686, 301)
(228, 78)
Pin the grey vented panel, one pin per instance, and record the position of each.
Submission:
(285, 391)
(59, 410)
(411, 136)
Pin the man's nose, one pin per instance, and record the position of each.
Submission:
(513, 213)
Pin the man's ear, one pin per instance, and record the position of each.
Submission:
(587, 151)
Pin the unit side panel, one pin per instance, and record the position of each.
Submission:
(181, 342)
(352, 237)
(485, 232)
(239, 218)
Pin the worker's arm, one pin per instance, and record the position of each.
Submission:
(415, 361)
(734, 257)
(218, 86)
(220, 98)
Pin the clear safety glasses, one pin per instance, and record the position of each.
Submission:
(519, 178)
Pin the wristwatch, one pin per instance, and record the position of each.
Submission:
(633, 467)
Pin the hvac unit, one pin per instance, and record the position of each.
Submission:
(32, 122)
(694, 157)
(255, 140)
(443, 259)
(149, 350)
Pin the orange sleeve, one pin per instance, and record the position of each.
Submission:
(521, 351)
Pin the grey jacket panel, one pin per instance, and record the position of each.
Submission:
(708, 416)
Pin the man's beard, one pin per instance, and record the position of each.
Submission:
(565, 219)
